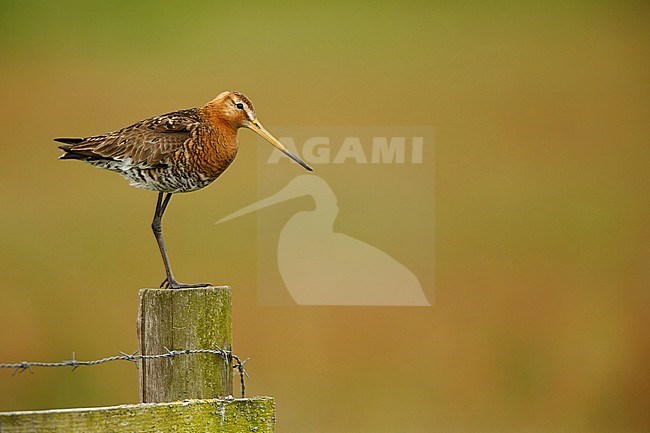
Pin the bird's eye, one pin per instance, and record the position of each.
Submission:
(240, 105)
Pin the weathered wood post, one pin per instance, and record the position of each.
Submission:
(184, 394)
(184, 319)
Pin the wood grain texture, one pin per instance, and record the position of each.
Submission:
(191, 416)
(198, 318)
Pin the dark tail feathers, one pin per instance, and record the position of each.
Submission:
(69, 140)
(71, 153)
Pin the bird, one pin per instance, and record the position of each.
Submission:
(337, 269)
(177, 152)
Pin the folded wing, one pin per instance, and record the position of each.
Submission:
(145, 144)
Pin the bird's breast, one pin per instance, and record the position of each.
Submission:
(207, 153)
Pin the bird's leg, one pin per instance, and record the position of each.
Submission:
(156, 226)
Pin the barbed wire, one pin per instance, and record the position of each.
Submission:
(238, 364)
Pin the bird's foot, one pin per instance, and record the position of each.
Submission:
(173, 284)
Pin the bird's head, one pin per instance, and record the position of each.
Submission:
(237, 111)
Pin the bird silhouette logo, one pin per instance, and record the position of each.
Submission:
(336, 269)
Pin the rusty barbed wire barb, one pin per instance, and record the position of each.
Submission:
(20, 367)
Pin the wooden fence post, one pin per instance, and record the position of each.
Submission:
(184, 319)
(182, 394)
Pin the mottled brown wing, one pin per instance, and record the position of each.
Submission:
(147, 143)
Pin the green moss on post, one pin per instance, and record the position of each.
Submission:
(178, 320)
(227, 416)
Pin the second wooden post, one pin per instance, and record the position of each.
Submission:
(180, 320)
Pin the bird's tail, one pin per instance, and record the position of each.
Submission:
(68, 148)
(69, 140)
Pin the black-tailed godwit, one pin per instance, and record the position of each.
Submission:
(181, 151)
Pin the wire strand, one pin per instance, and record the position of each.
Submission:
(20, 367)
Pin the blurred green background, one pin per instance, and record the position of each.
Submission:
(540, 321)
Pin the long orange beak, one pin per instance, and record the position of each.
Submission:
(257, 128)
